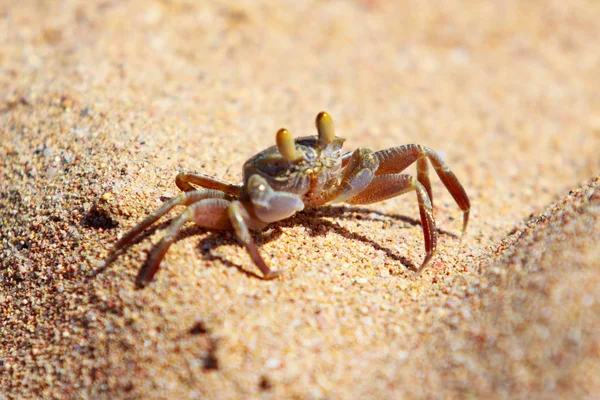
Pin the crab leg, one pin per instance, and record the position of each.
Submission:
(384, 187)
(397, 159)
(239, 219)
(184, 181)
(208, 213)
(183, 199)
(357, 175)
(423, 177)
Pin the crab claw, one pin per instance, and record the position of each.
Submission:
(325, 128)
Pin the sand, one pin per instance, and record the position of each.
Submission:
(102, 103)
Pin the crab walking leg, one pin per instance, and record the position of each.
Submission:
(209, 213)
(183, 199)
(384, 187)
(239, 216)
(356, 176)
(423, 177)
(397, 159)
(184, 181)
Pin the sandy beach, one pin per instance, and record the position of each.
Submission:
(103, 103)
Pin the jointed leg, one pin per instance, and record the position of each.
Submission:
(423, 176)
(395, 160)
(358, 173)
(159, 251)
(184, 182)
(208, 213)
(183, 199)
(384, 187)
(239, 218)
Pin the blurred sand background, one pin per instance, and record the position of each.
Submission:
(102, 103)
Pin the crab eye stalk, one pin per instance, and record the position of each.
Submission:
(325, 128)
(286, 145)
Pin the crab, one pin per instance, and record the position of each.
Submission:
(294, 175)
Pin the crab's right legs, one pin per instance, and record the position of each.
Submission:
(239, 219)
(184, 182)
(384, 187)
(397, 159)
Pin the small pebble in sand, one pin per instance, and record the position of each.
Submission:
(48, 152)
(272, 363)
(51, 172)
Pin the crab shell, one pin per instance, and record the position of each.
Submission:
(315, 168)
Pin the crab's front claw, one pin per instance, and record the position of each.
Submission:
(270, 205)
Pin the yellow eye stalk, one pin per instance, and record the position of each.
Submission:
(325, 128)
(286, 145)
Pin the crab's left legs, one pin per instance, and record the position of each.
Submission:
(183, 199)
(384, 187)
(239, 219)
(209, 213)
(397, 159)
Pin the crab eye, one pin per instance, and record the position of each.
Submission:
(325, 128)
(286, 145)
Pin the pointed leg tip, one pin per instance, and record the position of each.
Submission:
(141, 284)
(109, 259)
(145, 276)
(274, 273)
(425, 263)
(463, 235)
(465, 221)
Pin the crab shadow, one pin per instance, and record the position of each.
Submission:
(316, 221)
